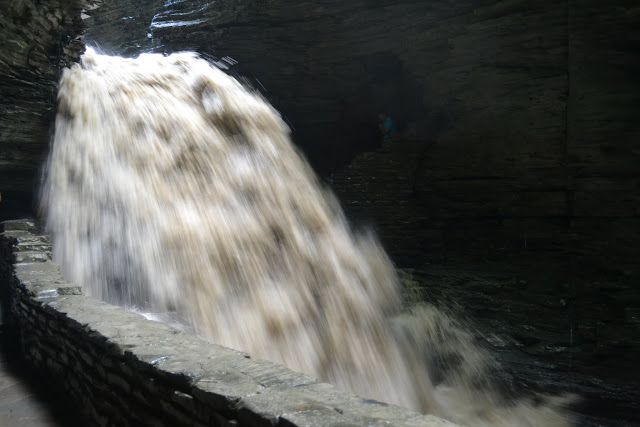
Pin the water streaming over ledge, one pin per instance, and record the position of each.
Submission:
(171, 188)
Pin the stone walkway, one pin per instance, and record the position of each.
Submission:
(27, 402)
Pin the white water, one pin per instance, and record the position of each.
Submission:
(171, 188)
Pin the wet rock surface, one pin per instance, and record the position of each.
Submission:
(37, 40)
(121, 27)
(547, 334)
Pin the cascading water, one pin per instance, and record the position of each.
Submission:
(170, 187)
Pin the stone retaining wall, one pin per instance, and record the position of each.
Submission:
(126, 370)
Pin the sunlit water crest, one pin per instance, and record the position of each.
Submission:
(171, 188)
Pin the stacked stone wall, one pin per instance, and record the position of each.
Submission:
(123, 369)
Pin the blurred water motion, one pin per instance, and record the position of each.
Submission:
(172, 189)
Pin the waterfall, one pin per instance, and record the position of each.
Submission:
(172, 188)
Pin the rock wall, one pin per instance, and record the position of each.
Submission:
(37, 39)
(122, 27)
(526, 111)
(422, 216)
(522, 116)
(123, 369)
(534, 150)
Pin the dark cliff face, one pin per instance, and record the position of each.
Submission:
(37, 39)
(525, 112)
(122, 27)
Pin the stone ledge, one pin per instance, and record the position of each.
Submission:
(127, 370)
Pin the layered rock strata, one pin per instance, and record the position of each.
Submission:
(37, 39)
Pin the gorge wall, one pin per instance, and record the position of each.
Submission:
(37, 39)
(523, 114)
